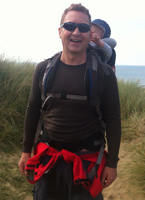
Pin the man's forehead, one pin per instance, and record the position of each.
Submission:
(77, 17)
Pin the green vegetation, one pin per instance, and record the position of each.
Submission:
(13, 185)
(132, 100)
(15, 84)
(137, 169)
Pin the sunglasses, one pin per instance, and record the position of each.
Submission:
(71, 26)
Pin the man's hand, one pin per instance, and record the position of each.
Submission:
(22, 163)
(108, 176)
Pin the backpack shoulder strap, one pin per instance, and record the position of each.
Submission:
(112, 59)
(96, 71)
(92, 76)
(49, 72)
(90, 82)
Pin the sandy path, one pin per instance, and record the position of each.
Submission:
(121, 189)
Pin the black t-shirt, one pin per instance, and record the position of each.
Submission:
(71, 121)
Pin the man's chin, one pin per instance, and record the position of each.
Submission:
(76, 51)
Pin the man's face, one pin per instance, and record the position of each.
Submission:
(97, 30)
(75, 42)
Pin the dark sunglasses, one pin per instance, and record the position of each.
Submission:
(71, 26)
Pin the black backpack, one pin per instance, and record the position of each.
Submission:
(93, 82)
(94, 64)
(112, 59)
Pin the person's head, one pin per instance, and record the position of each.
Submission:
(75, 28)
(76, 7)
(101, 28)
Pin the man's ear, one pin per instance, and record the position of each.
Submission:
(59, 31)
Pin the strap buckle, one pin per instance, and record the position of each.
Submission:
(62, 96)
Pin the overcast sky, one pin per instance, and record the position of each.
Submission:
(29, 28)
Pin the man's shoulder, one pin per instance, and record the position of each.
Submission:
(45, 62)
(42, 64)
(40, 68)
(94, 49)
(101, 66)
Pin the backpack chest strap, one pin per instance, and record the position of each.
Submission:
(67, 96)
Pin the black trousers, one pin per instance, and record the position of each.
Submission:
(57, 184)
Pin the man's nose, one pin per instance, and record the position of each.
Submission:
(76, 31)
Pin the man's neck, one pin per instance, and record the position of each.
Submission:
(73, 59)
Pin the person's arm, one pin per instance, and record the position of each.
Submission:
(110, 41)
(112, 118)
(31, 117)
(22, 163)
(104, 47)
(32, 112)
(108, 176)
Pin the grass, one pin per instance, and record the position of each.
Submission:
(133, 127)
(137, 169)
(15, 84)
(132, 98)
(13, 185)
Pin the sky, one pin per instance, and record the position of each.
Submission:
(29, 28)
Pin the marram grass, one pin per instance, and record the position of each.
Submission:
(15, 85)
(132, 98)
(136, 169)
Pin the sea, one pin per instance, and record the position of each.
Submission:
(131, 73)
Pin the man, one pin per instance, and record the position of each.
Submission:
(71, 126)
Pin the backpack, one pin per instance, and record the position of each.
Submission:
(93, 66)
(112, 60)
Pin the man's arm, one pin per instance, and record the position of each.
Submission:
(108, 176)
(110, 41)
(22, 163)
(112, 118)
(31, 117)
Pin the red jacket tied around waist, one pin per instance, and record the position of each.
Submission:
(80, 176)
